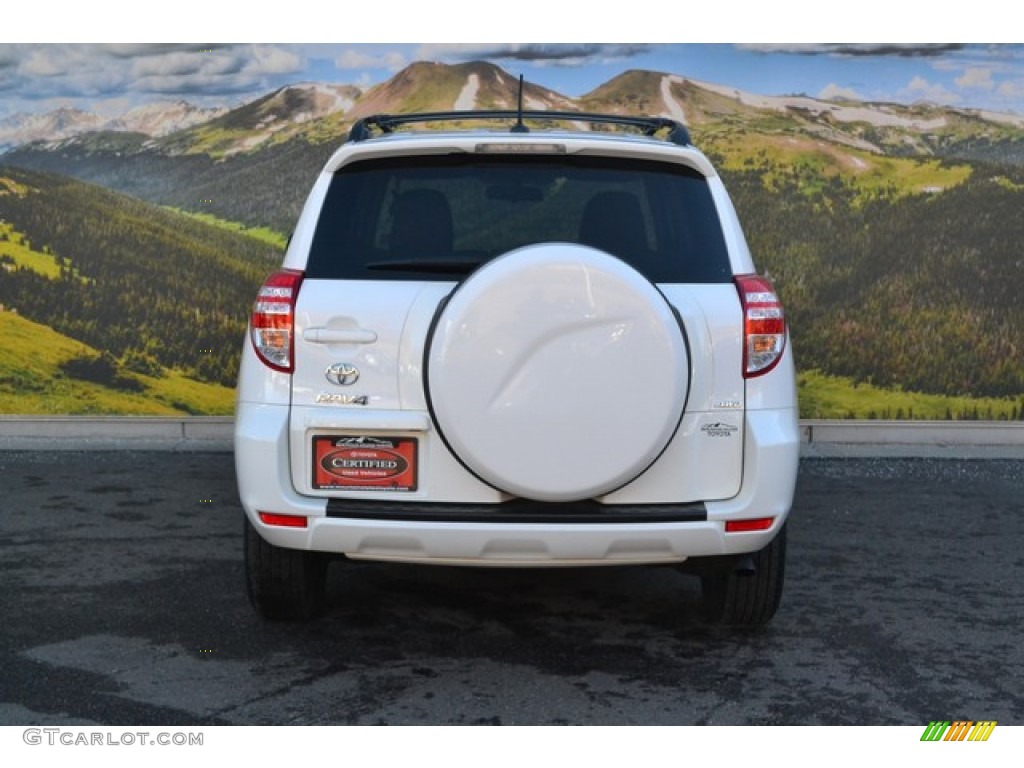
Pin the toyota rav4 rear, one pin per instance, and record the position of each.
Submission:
(518, 348)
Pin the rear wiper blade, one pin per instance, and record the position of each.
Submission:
(442, 266)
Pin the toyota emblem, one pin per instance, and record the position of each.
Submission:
(342, 374)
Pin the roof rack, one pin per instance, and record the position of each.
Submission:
(677, 132)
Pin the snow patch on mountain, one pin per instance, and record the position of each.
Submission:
(59, 124)
(673, 107)
(162, 118)
(875, 115)
(467, 97)
(325, 98)
(1003, 117)
(156, 119)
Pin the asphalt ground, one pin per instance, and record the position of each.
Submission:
(123, 604)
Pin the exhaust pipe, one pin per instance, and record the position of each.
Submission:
(745, 567)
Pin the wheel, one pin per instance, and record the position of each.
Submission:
(747, 598)
(283, 584)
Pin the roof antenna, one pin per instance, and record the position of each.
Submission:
(519, 127)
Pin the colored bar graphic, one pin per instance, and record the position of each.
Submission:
(959, 730)
(935, 730)
(982, 730)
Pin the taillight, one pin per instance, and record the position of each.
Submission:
(273, 319)
(764, 325)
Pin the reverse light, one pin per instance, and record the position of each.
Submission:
(273, 320)
(285, 521)
(764, 325)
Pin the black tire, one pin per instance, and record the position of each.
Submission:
(283, 584)
(743, 599)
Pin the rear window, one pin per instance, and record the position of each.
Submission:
(439, 217)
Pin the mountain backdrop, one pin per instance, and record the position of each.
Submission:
(892, 232)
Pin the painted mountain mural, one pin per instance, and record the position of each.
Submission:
(130, 248)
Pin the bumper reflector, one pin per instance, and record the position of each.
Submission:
(743, 526)
(287, 521)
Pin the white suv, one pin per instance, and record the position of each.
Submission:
(518, 348)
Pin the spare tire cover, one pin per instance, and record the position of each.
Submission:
(556, 372)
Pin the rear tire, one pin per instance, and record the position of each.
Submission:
(750, 600)
(283, 584)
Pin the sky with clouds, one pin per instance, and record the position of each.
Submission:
(111, 77)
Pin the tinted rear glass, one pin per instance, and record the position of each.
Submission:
(440, 217)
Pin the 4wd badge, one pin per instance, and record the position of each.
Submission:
(718, 429)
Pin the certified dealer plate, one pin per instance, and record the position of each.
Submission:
(364, 463)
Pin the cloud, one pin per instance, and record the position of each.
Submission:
(536, 53)
(1012, 90)
(38, 72)
(8, 56)
(219, 68)
(833, 92)
(187, 64)
(271, 60)
(976, 77)
(46, 62)
(351, 58)
(858, 49)
(134, 50)
(919, 89)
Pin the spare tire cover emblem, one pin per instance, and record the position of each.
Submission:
(342, 374)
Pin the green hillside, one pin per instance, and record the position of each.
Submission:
(837, 397)
(258, 189)
(33, 381)
(913, 292)
(162, 297)
(814, 164)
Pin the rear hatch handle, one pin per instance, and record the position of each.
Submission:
(339, 335)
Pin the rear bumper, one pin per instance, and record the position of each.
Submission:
(525, 534)
(522, 511)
